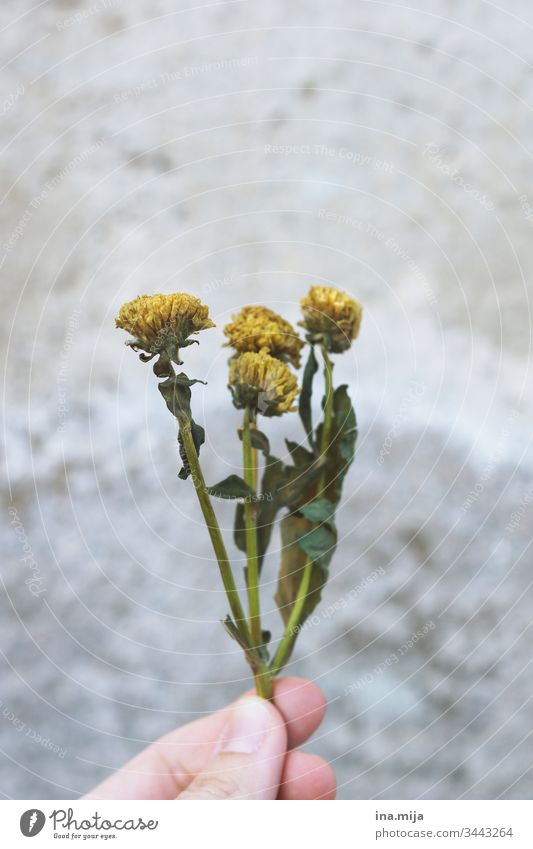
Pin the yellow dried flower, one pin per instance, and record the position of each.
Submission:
(263, 383)
(331, 317)
(163, 323)
(257, 329)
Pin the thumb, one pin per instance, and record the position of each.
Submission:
(249, 757)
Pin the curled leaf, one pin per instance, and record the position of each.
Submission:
(239, 532)
(198, 435)
(306, 395)
(300, 455)
(176, 390)
(321, 510)
(319, 544)
(341, 450)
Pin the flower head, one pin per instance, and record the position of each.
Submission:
(257, 329)
(332, 318)
(263, 383)
(162, 324)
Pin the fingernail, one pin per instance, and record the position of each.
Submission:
(248, 725)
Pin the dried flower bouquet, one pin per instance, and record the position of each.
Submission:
(306, 490)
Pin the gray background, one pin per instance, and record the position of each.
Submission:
(137, 156)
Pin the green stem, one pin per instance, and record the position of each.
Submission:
(214, 531)
(329, 403)
(252, 572)
(255, 470)
(264, 684)
(291, 629)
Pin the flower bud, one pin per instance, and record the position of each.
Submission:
(263, 384)
(331, 318)
(162, 324)
(257, 329)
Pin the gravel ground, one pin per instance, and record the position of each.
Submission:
(241, 151)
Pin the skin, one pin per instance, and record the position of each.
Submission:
(192, 762)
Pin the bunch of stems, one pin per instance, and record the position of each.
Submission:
(249, 628)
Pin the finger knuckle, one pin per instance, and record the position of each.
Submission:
(214, 786)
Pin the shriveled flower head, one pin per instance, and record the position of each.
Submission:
(331, 317)
(263, 383)
(162, 324)
(257, 329)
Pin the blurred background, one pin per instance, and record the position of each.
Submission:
(242, 151)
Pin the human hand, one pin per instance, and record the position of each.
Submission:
(246, 751)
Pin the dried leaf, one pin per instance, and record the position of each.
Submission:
(293, 563)
(231, 487)
(306, 395)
